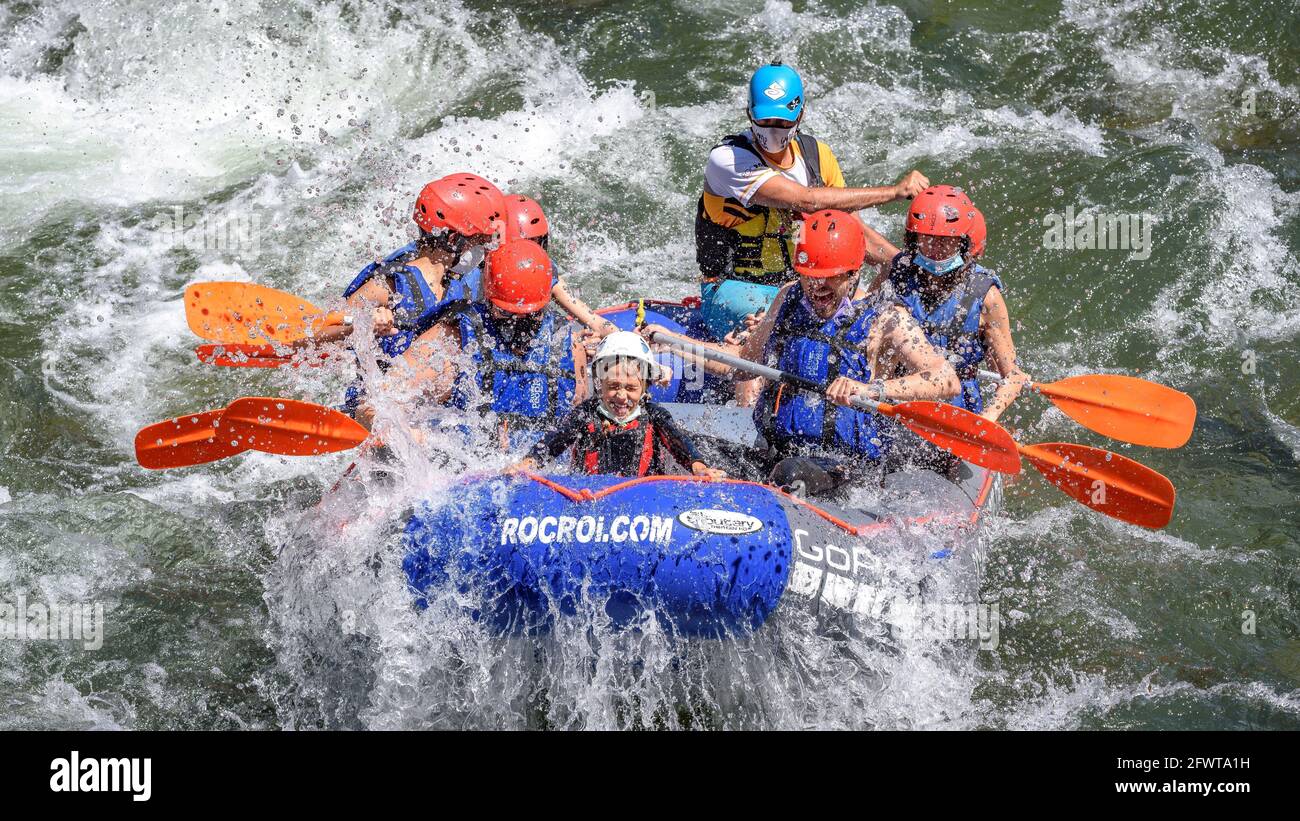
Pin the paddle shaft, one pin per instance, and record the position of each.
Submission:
(755, 369)
(956, 430)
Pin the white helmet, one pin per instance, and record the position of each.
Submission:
(631, 346)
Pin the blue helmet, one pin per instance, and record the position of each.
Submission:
(775, 91)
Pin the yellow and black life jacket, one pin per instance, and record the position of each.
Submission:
(757, 242)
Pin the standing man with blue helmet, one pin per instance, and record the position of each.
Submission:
(756, 185)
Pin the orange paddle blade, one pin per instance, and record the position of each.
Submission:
(186, 440)
(1106, 482)
(245, 355)
(1126, 408)
(243, 312)
(960, 432)
(291, 428)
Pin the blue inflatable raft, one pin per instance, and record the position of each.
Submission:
(701, 558)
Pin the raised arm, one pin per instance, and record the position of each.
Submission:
(372, 296)
(660, 333)
(579, 310)
(582, 387)
(899, 341)
(995, 325)
(780, 192)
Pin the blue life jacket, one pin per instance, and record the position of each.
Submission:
(952, 326)
(527, 392)
(798, 421)
(417, 308)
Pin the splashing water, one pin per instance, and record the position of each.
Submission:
(243, 594)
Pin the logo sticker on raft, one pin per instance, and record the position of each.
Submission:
(722, 522)
(586, 529)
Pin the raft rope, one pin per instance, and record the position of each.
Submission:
(587, 495)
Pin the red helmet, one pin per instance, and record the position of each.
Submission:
(979, 234)
(524, 219)
(464, 203)
(941, 211)
(483, 186)
(518, 277)
(830, 243)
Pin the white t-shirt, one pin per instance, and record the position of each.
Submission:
(734, 172)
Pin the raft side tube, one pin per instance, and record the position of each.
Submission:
(704, 558)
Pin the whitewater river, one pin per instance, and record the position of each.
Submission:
(296, 134)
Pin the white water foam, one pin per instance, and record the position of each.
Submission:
(332, 202)
(186, 101)
(1252, 296)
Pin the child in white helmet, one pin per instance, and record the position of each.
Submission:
(620, 431)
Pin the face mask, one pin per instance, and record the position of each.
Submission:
(773, 139)
(608, 414)
(939, 267)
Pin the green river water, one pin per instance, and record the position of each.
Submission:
(316, 123)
